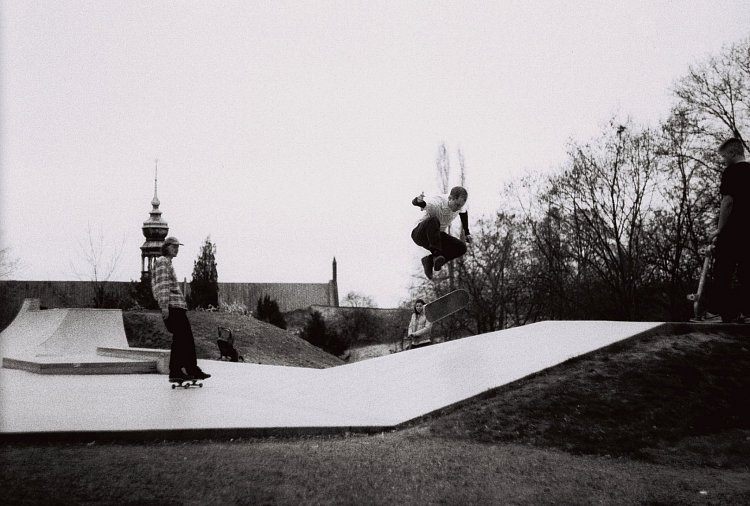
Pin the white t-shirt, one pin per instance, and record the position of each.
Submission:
(437, 206)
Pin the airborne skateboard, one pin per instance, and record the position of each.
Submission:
(699, 298)
(446, 305)
(185, 383)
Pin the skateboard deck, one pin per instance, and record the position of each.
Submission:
(446, 305)
(698, 298)
(186, 383)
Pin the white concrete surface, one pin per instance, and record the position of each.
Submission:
(380, 392)
(62, 332)
(53, 340)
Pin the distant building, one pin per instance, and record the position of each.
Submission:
(289, 296)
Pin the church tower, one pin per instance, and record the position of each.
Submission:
(333, 286)
(155, 231)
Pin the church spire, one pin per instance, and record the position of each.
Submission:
(154, 230)
(155, 201)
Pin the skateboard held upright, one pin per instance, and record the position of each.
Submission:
(446, 305)
(699, 297)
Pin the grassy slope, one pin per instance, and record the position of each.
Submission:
(657, 420)
(257, 341)
(680, 398)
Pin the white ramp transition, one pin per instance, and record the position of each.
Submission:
(65, 341)
(254, 399)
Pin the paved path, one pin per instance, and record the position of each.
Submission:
(250, 398)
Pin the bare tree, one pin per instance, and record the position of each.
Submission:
(443, 165)
(100, 263)
(716, 93)
(8, 265)
(688, 190)
(356, 299)
(494, 273)
(462, 167)
(610, 189)
(587, 229)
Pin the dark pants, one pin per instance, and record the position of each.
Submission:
(732, 254)
(428, 235)
(183, 344)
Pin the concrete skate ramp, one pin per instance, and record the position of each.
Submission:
(66, 341)
(61, 332)
(252, 399)
(29, 329)
(82, 330)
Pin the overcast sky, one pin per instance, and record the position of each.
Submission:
(293, 132)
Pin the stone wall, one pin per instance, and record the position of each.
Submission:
(289, 296)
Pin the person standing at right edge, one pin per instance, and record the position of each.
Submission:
(430, 233)
(732, 236)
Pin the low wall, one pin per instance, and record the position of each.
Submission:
(75, 294)
(60, 294)
(289, 296)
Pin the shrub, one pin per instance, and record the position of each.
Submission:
(316, 333)
(268, 311)
(142, 295)
(204, 287)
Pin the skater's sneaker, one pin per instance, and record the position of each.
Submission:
(439, 262)
(707, 318)
(198, 374)
(180, 376)
(427, 264)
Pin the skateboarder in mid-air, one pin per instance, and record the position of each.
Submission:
(183, 365)
(430, 233)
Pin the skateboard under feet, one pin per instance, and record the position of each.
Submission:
(186, 383)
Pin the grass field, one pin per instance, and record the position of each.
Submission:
(656, 420)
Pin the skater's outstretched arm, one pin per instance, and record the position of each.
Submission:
(465, 224)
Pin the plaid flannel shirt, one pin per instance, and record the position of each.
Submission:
(165, 286)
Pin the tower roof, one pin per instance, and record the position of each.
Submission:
(155, 229)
